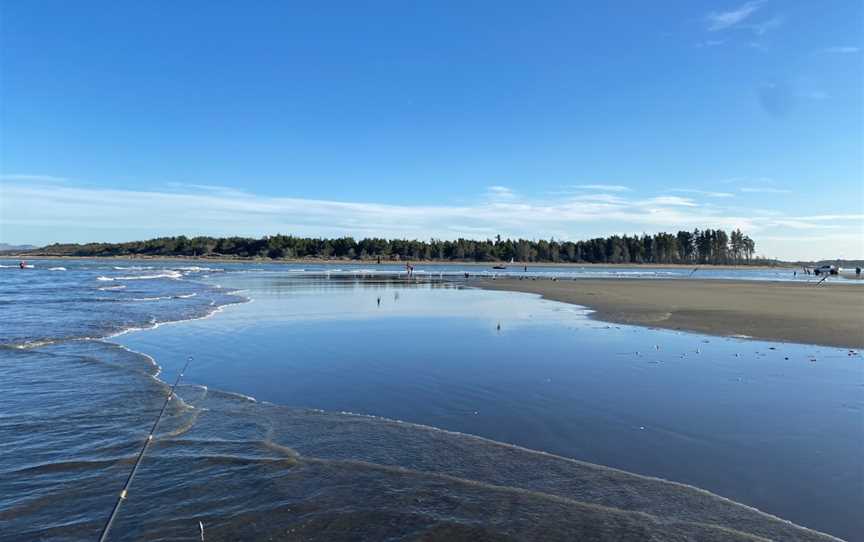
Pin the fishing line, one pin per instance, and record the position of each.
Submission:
(147, 441)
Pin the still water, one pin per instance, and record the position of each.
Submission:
(774, 426)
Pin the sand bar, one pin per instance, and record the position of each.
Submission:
(831, 315)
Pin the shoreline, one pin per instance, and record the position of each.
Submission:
(773, 311)
(417, 263)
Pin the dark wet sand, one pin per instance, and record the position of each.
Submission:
(830, 315)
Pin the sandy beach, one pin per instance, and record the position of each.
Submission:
(830, 315)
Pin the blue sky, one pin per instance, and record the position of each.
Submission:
(128, 120)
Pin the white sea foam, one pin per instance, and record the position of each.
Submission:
(57, 269)
(104, 278)
(196, 268)
(148, 357)
(34, 344)
(133, 267)
(168, 274)
(156, 324)
(118, 287)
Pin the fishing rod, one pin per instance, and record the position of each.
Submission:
(147, 441)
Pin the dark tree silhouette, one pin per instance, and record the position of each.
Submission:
(698, 247)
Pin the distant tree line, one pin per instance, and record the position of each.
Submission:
(692, 247)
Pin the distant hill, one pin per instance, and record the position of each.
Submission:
(6, 247)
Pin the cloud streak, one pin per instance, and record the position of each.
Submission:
(840, 50)
(762, 28)
(710, 43)
(764, 190)
(31, 177)
(602, 187)
(757, 185)
(724, 20)
(706, 193)
(500, 193)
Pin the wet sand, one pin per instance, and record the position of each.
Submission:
(830, 315)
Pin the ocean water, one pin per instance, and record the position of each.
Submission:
(327, 402)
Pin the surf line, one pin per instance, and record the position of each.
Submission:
(147, 441)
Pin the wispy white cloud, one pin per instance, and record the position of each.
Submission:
(839, 226)
(710, 43)
(764, 190)
(602, 187)
(762, 28)
(839, 50)
(748, 180)
(601, 198)
(797, 224)
(706, 193)
(723, 20)
(670, 200)
(757, 185)
(500, 192)
(856, 217)
(218, 190)
(32, 177)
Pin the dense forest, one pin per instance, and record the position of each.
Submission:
(699, 247)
